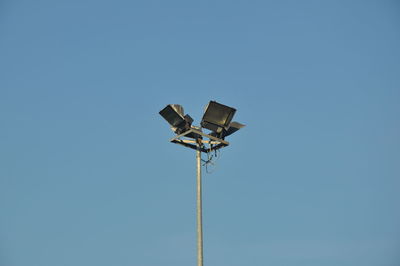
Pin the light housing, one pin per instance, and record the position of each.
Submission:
(217, 117)
(233, 127)
(174, 115)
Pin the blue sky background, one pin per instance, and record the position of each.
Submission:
(88, 177)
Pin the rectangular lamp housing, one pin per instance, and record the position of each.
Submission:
(217, 117)
(173, 117)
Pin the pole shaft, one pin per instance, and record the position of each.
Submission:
(199, 210)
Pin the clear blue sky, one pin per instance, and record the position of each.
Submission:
(88, 177)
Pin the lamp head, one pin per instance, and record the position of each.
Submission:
(217, 117)
(233, 127)
(174, 115)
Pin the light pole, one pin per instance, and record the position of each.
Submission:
(217, 119)
(199, 208)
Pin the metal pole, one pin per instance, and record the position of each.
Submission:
(199, 210)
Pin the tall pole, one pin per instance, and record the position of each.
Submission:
(199, 208)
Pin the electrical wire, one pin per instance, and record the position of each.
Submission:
(212, 158)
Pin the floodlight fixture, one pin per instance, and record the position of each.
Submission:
(174, 115)
(233, 127)
(218, 119)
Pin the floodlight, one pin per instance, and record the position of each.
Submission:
(174, 115)
(217, 117)
(233, 127)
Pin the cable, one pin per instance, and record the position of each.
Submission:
(212, 158)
